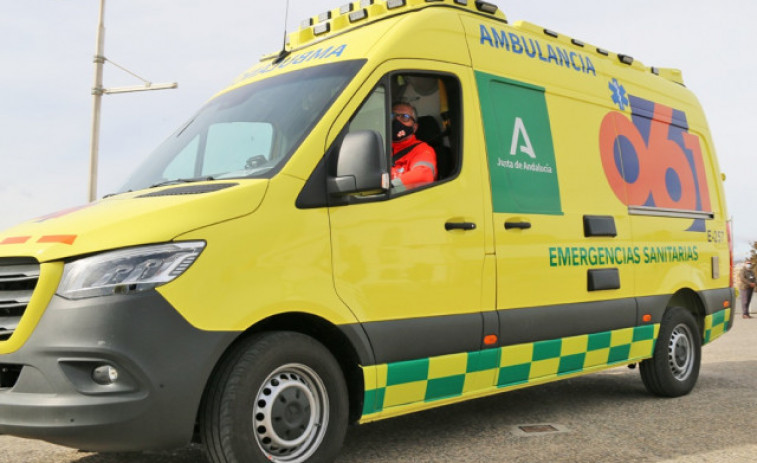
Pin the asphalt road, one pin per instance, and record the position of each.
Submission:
(606, 417)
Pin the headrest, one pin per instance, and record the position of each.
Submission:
(428, 129)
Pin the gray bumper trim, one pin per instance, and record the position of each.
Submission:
(163, 363)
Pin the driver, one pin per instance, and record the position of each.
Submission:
(413, 161)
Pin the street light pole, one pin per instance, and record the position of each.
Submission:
(98, 91)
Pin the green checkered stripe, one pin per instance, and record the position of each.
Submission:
(417, 384)
(716, 325)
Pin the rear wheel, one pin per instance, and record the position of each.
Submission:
(673, 369)
(278, 397)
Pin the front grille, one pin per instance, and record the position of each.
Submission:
(18, 278)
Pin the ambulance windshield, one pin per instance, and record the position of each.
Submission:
(248, 132)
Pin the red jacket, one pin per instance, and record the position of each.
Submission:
(417, 167)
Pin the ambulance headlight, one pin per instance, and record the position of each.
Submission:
(127, 271)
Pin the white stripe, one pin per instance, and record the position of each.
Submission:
(427, 164)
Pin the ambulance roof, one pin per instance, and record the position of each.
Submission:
(360, 13)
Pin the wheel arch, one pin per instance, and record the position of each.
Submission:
(341, 346)
(690, 300)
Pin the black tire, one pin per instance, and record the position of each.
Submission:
(277, 397)
(673, 369)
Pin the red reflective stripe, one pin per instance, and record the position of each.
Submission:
(63, 239)
(15, 240)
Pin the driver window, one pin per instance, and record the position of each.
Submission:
(435, 99)
(423, 123)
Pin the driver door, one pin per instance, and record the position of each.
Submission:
(412, 265)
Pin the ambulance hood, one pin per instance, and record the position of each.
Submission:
(130, 219)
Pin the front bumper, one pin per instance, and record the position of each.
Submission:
(47, 391)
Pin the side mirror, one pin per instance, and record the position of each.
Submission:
(361, 165)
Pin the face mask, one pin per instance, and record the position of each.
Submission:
(400, 130)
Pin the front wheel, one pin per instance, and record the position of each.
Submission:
(278, 397)
(673, 369)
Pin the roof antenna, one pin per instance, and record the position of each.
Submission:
(284, 52)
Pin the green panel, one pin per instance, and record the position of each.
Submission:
(547, 349)
(407, 372)
(571, 364)
(441, 388)
(516, 374)
(374, 401)
(643, 333)
(483, 360)
(519, 146)
(718, 318)
(619, 353)
(599, 341)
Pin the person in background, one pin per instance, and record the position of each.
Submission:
(413, 161)
(747, 284)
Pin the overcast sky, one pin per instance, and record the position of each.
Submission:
(46, 76)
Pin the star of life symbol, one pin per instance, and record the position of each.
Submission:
(618, 94)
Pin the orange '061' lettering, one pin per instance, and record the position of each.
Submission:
(652, 159)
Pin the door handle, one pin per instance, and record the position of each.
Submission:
(459, 226)
(519, 225)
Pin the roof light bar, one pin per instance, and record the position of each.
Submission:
(486, 7)
(392, 4)
(323, 17)
(358, 15)
(655, 70)
(306, 23)
(602, 51)
(577, 42)
(320, 29)
(366, 3)
(551, 33)
(344, 9)
(462, 2)
(625, 59)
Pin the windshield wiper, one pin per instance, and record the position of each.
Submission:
(183, 180)
(116, 193)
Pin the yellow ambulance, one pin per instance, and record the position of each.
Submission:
(261, 281)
